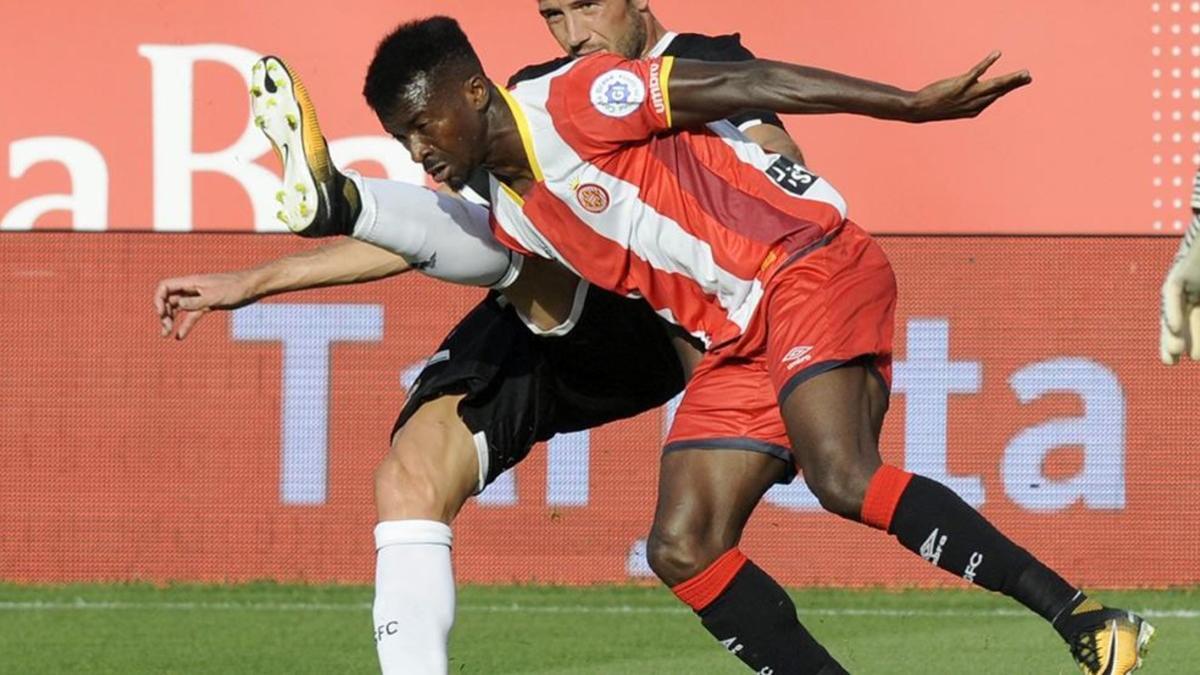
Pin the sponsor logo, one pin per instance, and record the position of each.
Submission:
(791, 176)
(797, 356)
(972, 565)
(656, 93)
(617, 93)
(931, 550)
(592, 197)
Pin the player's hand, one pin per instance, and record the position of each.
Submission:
(966, 95)
(1180, 322)
(181, 301)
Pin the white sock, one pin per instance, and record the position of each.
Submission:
(414, 596)
(449, 238)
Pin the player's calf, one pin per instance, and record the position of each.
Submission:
(420, 486)
(705, 498)
(316, 199)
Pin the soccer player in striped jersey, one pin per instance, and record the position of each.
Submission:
(621, 170)
(493, 388)
(1180, 319)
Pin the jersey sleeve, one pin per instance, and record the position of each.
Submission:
(606, 101)
(723, 48)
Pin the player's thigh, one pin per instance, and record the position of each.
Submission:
(432, 466)
(726, 447)
(708, 494)
(829, 349)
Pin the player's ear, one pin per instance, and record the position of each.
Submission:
(478, 90)
(640, 5)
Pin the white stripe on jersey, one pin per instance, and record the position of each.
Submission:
(506, 208)
(657, 239)
(751, 153)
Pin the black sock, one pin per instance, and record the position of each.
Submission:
(932, 521)
(753, 617)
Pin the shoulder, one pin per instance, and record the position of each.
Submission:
(708, 47)
(537, 70)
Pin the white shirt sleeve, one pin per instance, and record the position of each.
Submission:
(441, 236)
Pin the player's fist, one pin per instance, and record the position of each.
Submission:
(1180, 321)
(179, 302)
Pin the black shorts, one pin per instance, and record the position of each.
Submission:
(521, 388)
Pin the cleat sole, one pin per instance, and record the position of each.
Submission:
(287, 119)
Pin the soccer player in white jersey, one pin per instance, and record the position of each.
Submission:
(606, 165)
(1180, 320)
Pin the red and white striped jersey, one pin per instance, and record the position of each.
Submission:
(693, 221)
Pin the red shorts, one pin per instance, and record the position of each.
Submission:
(833, 306)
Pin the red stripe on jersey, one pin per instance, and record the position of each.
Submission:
(713, 152)
(504, 238)
(612, 266)
(695, 179)
(722, 197)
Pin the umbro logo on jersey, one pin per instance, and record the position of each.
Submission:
(617, 93)
(656, 93)
(593, 198)
(797, 356)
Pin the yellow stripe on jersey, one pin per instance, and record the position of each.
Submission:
(512, 194)
(663, 75)
(523, 129)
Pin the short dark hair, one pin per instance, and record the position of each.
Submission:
(420, 50)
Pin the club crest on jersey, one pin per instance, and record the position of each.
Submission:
(593, 198)
(617, 93)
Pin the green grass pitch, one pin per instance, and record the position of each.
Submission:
(268, 628)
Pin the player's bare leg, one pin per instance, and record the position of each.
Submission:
(705, 497)
(316, 199)
(833, 421)
(430, 472)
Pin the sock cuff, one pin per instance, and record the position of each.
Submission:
(391, 532)
(883, 494)
(368, 209)
(701, 590)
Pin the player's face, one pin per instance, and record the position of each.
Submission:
(582, 27)
(442, 129)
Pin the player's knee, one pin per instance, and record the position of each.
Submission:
(676, 554)
(839, 481)
(403, 490)
(410, 483)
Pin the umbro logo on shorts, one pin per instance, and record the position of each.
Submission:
(797, 356)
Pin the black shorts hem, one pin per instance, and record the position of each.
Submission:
(782, 453)
(802, 376)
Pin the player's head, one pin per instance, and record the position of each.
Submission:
(585, 26)
(428, 89)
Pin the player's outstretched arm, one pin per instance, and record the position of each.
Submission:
(1180, 320)
(181, 301)
(703, 92)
